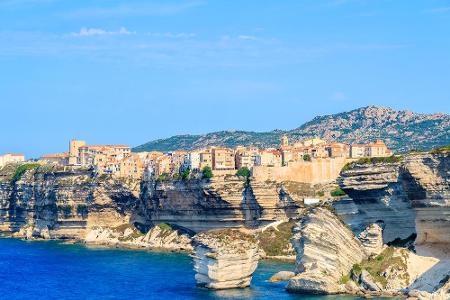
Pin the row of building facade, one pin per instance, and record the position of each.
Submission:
(120, 161)
(11, 158)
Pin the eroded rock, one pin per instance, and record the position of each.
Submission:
(326, 249)
(225, 259)
(372, 238)
(282, 276)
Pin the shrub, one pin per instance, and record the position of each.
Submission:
(207, 172)
(21, 170)
(321, 194)
(66, 210)
(165, 226)
(373, 160)
(162, 177)
(307, 157)
(82, 209)
(344, 279)
(275, 242)
(338, 192)
(356, 269)
(244, 172)
(185, 174)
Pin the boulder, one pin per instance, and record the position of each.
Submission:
(225, 258)
(282, 276)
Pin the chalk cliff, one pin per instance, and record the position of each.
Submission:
(225, 258)
(56, 203)
(221, 202)
(411, 196)
(326, 249)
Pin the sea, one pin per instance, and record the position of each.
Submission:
(56, 270)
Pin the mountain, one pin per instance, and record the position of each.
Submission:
(401, 130)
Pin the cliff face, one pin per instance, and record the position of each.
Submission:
(64, 204)
(411, 196)
(50, 202)
(218, 203)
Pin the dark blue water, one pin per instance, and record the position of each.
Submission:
(52, 270)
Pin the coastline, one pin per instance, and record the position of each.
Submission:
(131, 247)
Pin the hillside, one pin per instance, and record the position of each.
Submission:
(401, 130)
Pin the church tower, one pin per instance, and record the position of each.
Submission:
(284, 142)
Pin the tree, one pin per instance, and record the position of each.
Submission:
(185, 174)
(307, 157)
(207, 172)
(244, 172)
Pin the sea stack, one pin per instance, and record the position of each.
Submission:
(326, 249)
(225, 259)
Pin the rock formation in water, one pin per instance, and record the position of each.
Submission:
(326, 249)
(225, 258)
(161, 236)
(331, 260)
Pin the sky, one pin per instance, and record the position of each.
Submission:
(116, 71)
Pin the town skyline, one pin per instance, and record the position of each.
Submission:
(61, 149)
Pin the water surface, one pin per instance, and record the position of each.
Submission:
(53, 270)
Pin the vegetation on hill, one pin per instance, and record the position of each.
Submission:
(378, 265)
(21, 170)
(373, 160)
(401, 130)
(275, 242)
(439, 150)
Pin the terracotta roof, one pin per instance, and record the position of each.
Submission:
(12, 154)
(105, 146)
(57, 155)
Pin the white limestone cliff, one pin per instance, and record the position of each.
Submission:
(225, 259)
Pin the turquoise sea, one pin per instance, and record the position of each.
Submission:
(53, 270)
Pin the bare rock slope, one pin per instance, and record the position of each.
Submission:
(326, 249)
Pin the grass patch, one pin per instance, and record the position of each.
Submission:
(373, 160)
(21, 170)
(440, 150)
(165, 226)
(276, 243)
(134, 235)
(338, 192)
(344, 279)
(379, 264)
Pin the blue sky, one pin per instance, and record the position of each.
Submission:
(113, 71)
